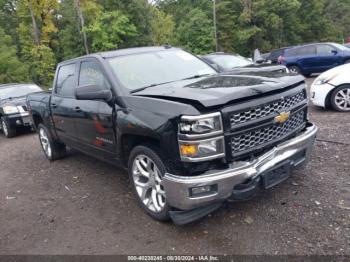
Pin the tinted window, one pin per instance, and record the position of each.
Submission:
(292, 52)
(324, 49)
(275, 54)
(91, 74)
(307, 50)
(66, 81)
(18, 91)
(230, 61)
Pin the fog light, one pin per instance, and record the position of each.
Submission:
(188, 150)
(18, 122)
(203, 190)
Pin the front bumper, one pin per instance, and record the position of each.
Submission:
(19, 120)
(319, 93)
(178, 189)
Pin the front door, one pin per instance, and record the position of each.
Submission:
(62, 103)
(95, 123)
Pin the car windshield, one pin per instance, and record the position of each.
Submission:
(154, 68)
(17, 91)
(341, 47)
(230, 61)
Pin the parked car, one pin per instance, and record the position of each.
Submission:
(275, 54)
(189, 137)
(234, 63)
(315, 58)
(332, 88)
(13, 109)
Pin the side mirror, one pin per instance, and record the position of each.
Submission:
(93, 92)
(334, 52)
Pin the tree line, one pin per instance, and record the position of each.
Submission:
(37, 34)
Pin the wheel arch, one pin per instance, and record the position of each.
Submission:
(129, 141)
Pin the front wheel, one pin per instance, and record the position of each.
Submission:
(53, 150)
(7, 129)
(340, 98)
(146, 171)
(294, 69)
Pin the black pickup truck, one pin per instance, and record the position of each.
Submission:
(189, 137)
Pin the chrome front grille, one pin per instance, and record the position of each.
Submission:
(257, 138)
(267, 109)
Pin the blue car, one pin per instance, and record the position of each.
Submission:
(314, 58)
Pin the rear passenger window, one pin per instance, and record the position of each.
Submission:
(66, 82)
(91, 74)
(324, 49)
(307, 50)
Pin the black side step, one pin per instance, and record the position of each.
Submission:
(184, 217)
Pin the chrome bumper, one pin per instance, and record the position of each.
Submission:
(178, 188)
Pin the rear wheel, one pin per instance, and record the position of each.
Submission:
(146, 171)
(340, 98)
(53, 150)
(7, 129)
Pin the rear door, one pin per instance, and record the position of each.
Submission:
(95, 123)
(62, 103)
(327, 57)
(307, 59)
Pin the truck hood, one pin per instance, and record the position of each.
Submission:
(222, 88)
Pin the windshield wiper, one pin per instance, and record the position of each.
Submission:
(152, 85)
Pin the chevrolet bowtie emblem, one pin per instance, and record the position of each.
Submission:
(282, 117)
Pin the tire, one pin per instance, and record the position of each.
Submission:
(7, 129)
(53, 150)
(340, 98)
(146, 169)
(294, 69)
(347, 61)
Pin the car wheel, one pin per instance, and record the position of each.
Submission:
(7, 129)
(294, 69)
(340, 98)
(347, 61)
(53, 150)
(146, 171)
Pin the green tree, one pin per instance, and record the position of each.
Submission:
(11, 68)
(195, 32)
(109, 31)
(162, 28)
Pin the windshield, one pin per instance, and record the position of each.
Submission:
(341, 47)
(18, 91)
(146, 69)
(230, 61)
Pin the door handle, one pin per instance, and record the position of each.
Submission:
(53, 105)
(77, 109)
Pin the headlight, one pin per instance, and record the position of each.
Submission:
(201, 150)
(323, 80)
(194, 142)
(10, 109)
(200, 126)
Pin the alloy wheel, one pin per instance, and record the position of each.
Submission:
(45, 143)
(147, 180)
(342, 99)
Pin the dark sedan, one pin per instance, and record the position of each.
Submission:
(233, 63)
(13, 110)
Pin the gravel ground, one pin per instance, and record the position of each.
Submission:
(79, 205)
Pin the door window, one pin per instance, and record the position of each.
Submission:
(66, 81)
(324, 49)
(91, 74)
(307, 50)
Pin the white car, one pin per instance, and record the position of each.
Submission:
(332, 88)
